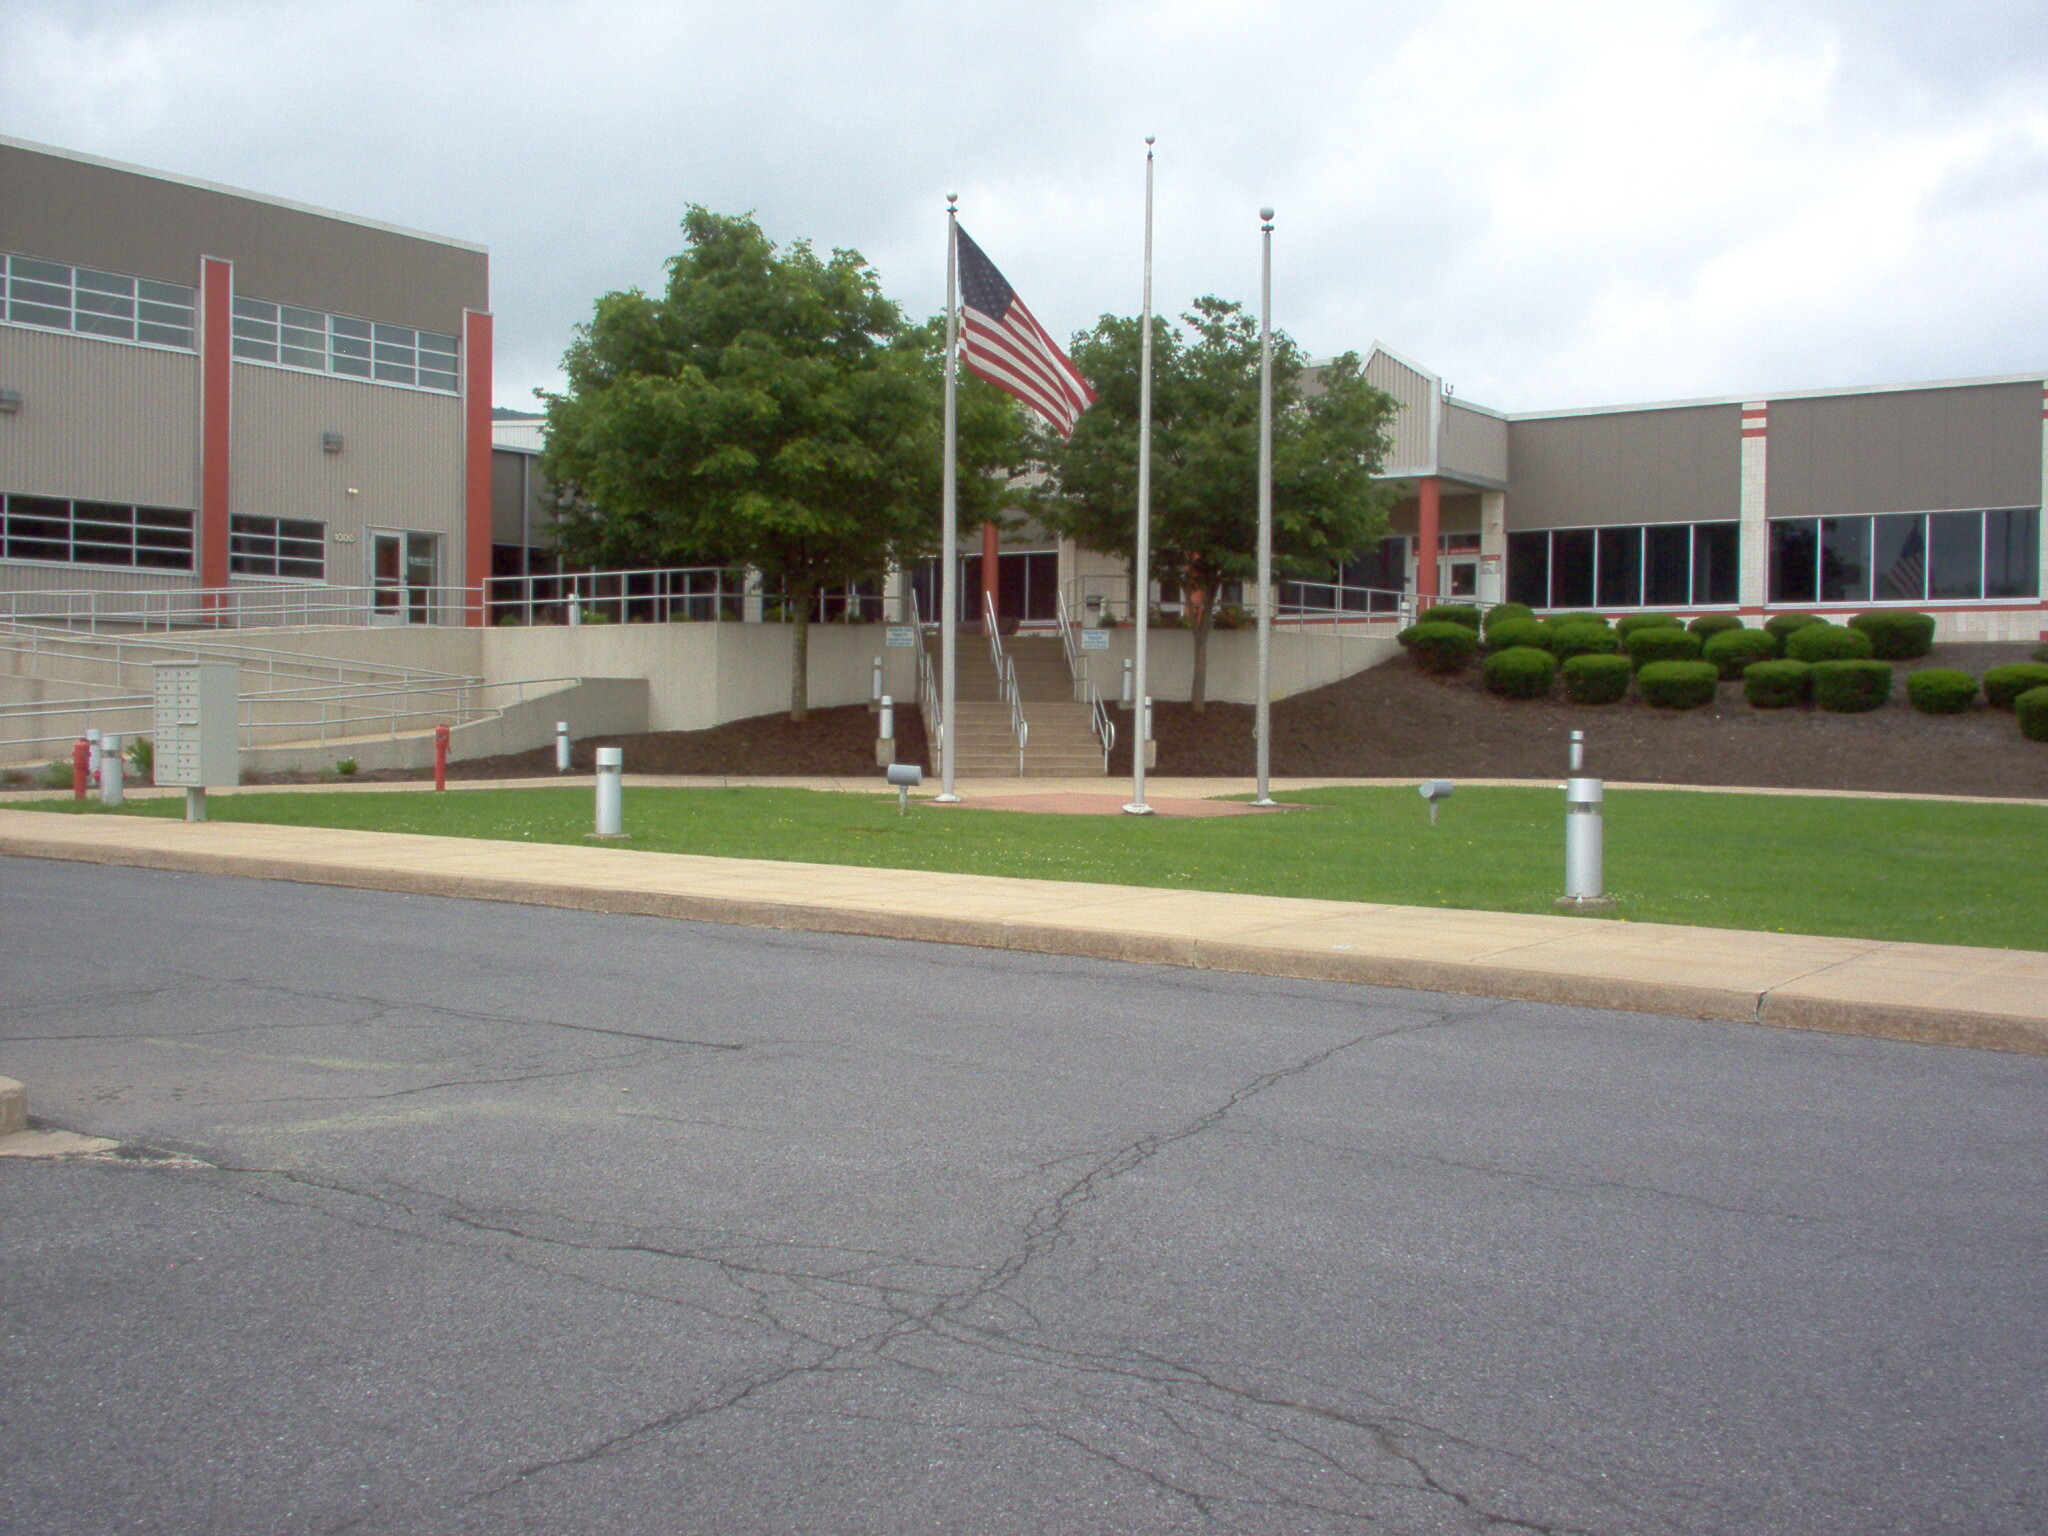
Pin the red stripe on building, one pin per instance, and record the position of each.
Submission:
(476, 459)
(216, 414)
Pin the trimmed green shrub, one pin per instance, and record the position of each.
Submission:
(1896, 636)
(1851, 687)
(1568, 640)
(1708, 625)
(1666, 643)
(1629, 623)
(1782, 624)
(1501, 637)
(1827, 642)
(2004, 684)
(1777, 684)
(56, 774)
(2032, 708)
(1581, 618)
(1941, 690)
(1733, 650)
(142, 757)
(1440, 647)
(1507, 613)
(1520, 672)
(1451, 613)
(1678, 684)
(1597, 679)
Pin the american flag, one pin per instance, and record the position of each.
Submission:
(1003, 344)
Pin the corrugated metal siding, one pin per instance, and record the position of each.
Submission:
(1672, 466)
(99, 420)
(401, 453)
(1475, 445)
(16, 577)
(1413, 452)
(1905, 451)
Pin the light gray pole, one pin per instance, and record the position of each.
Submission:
(949, 514)
(1264, 727)
(1143, 600)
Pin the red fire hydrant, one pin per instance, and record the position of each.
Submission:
(81, 767)
(440, 757)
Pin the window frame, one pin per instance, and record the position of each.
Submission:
(1876, 577)
(277, 537)
(41, 509)
(116, 298)
(1598, 535)
(263, 331)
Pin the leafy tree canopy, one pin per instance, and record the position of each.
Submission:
(771, 408)
(1329, 441)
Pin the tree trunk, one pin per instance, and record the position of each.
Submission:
(1205, 620)
(800, 656)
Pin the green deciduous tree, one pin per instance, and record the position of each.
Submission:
(771, 408)
(1329, 441)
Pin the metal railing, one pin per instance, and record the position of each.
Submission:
(930, 696)
(1085, 691)
(660, 596)
(1006, 679)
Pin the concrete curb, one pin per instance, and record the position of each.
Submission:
(1780, 1006)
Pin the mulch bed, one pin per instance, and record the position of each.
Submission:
(1394, 721)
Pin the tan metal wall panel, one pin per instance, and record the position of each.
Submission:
(1906, 451)
(1475, 445)
(16, 576)
(99, 420)
(1672, 466)
(401, 455)
(145, 226)
(1412, 391)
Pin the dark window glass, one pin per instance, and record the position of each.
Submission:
(1667, 565)
(1714, 571)
(2012, 553)
(1898, 557)
(1795, 551)
(1621, 568)
(1955, 548)
(1571, 568)
(1845, 560)
(1529, 569)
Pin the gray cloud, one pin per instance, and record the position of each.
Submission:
(1552, 205)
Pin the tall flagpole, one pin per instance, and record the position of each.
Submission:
(949, 512)
(1141, 705)
(1264, 728)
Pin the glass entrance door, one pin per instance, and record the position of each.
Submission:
(402, 578)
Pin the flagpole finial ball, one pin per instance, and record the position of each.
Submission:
(1266, 214)
(1150, 140)
(952, 197)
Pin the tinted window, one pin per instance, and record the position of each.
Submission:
(1571, 568)
(1621, 567)
(1845, 560)
(1529, 569)
(2012, 553)
(1955, 547)
(1795, 549)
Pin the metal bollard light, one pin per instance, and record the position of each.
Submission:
(875, 686)
(1124, 697)
(885, 738)
(110, 770)
(903, 776)
(92, 742)
(611, 768)
(1578, 762)
(1582, 839)
(561, 746)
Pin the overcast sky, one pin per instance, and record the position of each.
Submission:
(1550, 204)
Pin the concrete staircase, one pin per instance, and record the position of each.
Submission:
(1062, 740)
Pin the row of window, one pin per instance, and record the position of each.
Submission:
(153, 538)
(1906, 557)
(1658, 565)
(95, 533)
(306, 338)
(65, 298)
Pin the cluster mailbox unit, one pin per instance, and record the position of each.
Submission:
(196, 729)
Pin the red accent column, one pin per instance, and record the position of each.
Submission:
(991, 567)
(476, 460)
(1428, 545)
(216, 414)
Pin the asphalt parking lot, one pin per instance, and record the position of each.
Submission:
(503, 1219)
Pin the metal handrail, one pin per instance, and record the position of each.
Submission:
(1085, 691)
(929, 694)
(1006, 679)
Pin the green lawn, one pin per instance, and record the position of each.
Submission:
(1938, 871)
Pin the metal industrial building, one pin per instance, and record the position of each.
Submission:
(204, 389)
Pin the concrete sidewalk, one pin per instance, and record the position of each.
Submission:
(1950, 995)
